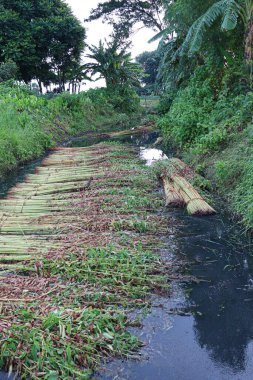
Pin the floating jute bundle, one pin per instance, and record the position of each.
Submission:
(173, 197)
(195, 203)
(179, 191)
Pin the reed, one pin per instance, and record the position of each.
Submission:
(38, 210)
(74, 263)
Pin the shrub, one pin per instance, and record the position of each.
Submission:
(124, 99)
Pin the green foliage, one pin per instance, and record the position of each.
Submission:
(189, 111)
(43, 38)
(243, 195)
(230, 12)
(30, 124)
(149, 61)
(201, 183)
(114, 64)
(165, 103)
(205, 75)
(124, 99)
(53, 344)
(128, 13)
(222, 171)
(8, 71)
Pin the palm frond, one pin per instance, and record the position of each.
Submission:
(159, 35)
(229, 10)
(231, 15)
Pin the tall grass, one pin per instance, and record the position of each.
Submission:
(30, 124)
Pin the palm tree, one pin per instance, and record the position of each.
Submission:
(230, 11)
(113, 64)
(75, 75)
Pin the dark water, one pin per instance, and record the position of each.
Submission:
(213, 339)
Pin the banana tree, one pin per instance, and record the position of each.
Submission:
(113, 64)
(230, 11)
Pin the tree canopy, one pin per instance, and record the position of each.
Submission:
(42, 37)
(123, 15)
(149, 60)
(230, 13)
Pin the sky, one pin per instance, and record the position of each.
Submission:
(96, 30)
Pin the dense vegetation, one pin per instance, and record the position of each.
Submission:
(202, 69)
(113, 63)
(98, 242)
(30, 124)
(42, 38)
(207, 104)
(205, 78)
(44, 42)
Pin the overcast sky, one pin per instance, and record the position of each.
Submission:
(96, 30)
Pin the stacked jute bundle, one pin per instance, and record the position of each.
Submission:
(37, 211)
(173, 197)
(178, 190)
(195, 203)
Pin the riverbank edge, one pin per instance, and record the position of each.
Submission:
(223, 179)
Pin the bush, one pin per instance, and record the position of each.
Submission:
(165, 103)
(124, 99)
(189, 111)
(205, 113)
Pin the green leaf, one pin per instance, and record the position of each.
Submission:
(231, 16)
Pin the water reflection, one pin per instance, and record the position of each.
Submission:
(216, 341)
(151, 155)
(225, 303)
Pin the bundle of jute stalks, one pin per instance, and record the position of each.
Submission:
(178, 190)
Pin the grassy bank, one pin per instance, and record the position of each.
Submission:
(30, 124)
(212, 128)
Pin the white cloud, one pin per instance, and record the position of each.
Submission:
(96, 30)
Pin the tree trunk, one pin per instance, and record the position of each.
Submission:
(249, 49)
(40, 85)
(248, 44)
